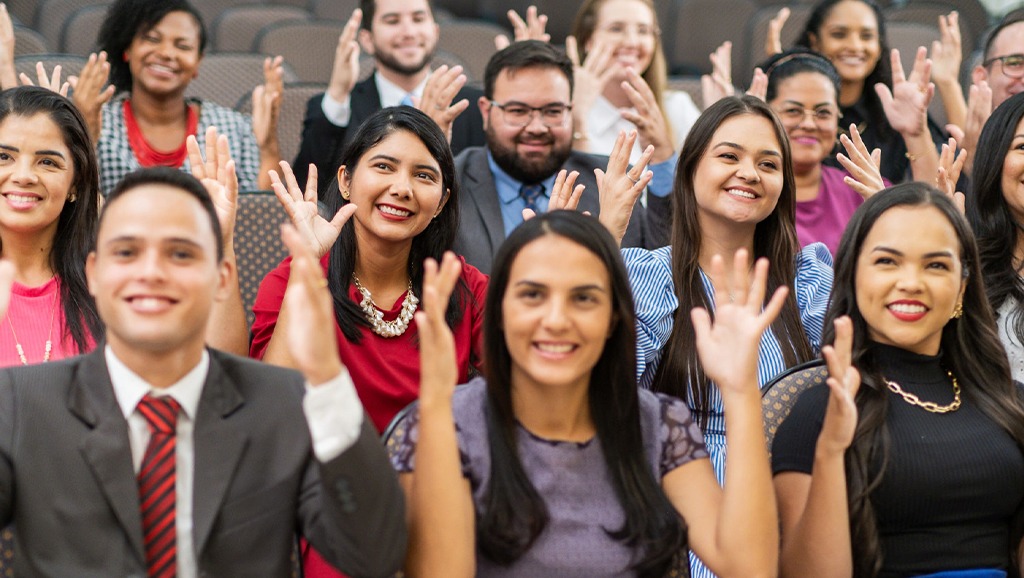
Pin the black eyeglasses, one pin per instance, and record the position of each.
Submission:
(520, 114)
(1013, 64)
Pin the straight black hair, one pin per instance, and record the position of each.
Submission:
(794, 61)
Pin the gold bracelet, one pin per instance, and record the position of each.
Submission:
(912, 157)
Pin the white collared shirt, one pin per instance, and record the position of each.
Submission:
(333, 412)
(340, 113)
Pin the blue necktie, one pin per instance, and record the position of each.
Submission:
(530, 194)
(406, 100)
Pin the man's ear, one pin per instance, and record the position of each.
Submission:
(978, 73)
(484, 104)
(90, 267)
(365, 39)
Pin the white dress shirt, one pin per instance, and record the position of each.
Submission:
(333, 412)
(340, 113)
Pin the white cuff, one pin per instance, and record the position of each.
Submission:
(334, 414)
(338, 113)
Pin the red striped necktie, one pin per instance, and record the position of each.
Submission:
(156, 486)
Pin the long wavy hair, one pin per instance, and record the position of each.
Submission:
(433, 241)
(656, 75)
(995, 227)
(970, 349)
(680, 372)
(515, 514)
(76, 225)
(882, 72)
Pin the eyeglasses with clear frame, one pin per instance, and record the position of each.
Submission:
(1013, 64)
(823, 116)
(519, 114)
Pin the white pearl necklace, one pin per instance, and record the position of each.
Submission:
(376, 317)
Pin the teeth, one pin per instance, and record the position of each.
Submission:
(22, 198)
(394, 211)
(160, 68)
(148, 303)
(907, 308)
(744, 194)
(555, 348)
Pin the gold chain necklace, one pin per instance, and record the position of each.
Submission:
(928, 405)
(376, 317)
(49, 337)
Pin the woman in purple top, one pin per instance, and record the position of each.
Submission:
(803, 89)
(557, 464)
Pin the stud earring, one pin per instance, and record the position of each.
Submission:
(958, 311)
(345, 194)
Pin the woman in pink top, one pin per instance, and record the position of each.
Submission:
(49, 187)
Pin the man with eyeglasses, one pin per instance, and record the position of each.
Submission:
(401, 35)
(1003, 63)
(527, 116)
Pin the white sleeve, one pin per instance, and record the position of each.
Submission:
(334, 414)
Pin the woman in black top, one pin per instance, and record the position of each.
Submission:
(919, 444)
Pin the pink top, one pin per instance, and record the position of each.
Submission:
(823, 219)
(35, 315)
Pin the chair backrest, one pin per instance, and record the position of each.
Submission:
(757, 31)
(258, 246)
(69, 63)
(927, 13)
(225, 77)
(334, 9)
(28, 41)
(701, 26)
(387, 438)
(23, 12)
(690, 85)
(51, 15)
(79, 34)
(236, 28)
(308, 46)
(291, 115)
(210, 10)
(781, 393)
(472, 42)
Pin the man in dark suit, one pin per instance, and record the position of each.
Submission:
(528, 121)
(401, 35)
(155, 456)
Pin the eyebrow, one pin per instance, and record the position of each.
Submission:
(588, 287)
(733, 145)
(167, 241)
(898, 253)
(47, 152)
(389, 158)
(798, 103)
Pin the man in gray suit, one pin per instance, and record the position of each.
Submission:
(242, 460)
(526, 110)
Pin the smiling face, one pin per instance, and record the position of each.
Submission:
(1013, 174)
(1010, 40)
(155, 272)
(165, 59)
(908, 286)
(36, 173)
(556, 313)
(628, 26)
(396, 187)
(402, 35)
(739, 178)
(849, 38)
(812, 135)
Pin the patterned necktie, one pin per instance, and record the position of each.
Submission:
(530, 194)
(156, 486)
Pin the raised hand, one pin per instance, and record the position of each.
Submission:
(530, 29)
(8, 76)
(318, 233)
(728, 348)
(590, 78)
(906, 105)
(759, 85)
(619, 186)
(49, 82)
(266, 104)
(309, 324)
(346, 60)
(439, 371)
(91, 92)
(979, 108)
(647, 117)
(217, 173)
(718, 84)
(946, 54)
(951, 165)
(565, 194)
(773, 43)
(844, 380)
(442, 86)
(863, 166)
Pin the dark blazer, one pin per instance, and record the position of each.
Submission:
(323, 142)
(482, 230)
(66, 477)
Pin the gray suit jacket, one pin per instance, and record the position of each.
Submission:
(482, 230)
(66, 477)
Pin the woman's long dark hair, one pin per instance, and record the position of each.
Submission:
(882, 72)
(970, 349)
(127, 19)
(997, 231)
(680, 372)
(515, 514)
(76, 225)
(437, 238)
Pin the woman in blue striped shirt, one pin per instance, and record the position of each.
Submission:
(734, 189)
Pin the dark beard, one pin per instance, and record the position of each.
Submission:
(527, 171)
(406, 70)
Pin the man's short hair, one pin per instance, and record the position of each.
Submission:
(369, 8)
(1013, 17)
(526, 54)
(173, 178)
